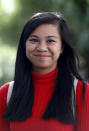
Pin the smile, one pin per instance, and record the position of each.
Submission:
(42, 56)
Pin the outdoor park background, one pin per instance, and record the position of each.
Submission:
(14, 14)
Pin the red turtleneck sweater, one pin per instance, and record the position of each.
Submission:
(44, 86)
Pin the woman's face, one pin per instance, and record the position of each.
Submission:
(43, 48)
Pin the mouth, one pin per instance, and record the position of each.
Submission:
(42, 56)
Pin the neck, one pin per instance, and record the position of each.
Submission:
(42, 71)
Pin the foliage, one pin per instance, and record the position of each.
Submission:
(76, 13)
(6, 63)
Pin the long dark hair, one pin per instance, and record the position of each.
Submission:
(20, 105)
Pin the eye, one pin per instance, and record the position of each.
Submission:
(34, 40)
(51, 41)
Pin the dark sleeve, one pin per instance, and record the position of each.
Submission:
(4, 125)
(82, 107)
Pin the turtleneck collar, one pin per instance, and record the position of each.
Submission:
(44, 86)
(45, 78)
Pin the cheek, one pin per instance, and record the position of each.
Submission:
(56, 51)
(29, 49)
(28, 52)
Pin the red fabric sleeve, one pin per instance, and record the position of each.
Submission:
(82, 108)
(4, 125)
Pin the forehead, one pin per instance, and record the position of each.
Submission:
(46, 29)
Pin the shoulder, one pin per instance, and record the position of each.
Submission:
(4, 87)
(82, 106)
(3, 96)
(82, 91)
(81, 87)
(4, 124)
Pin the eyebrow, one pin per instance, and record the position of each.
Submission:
(46, 36)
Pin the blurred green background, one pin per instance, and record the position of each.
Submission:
(15, 13)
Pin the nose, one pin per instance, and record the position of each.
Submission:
(42, 46)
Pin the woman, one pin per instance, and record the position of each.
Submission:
(48, 92)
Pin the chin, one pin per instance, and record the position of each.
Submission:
(43, 66)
